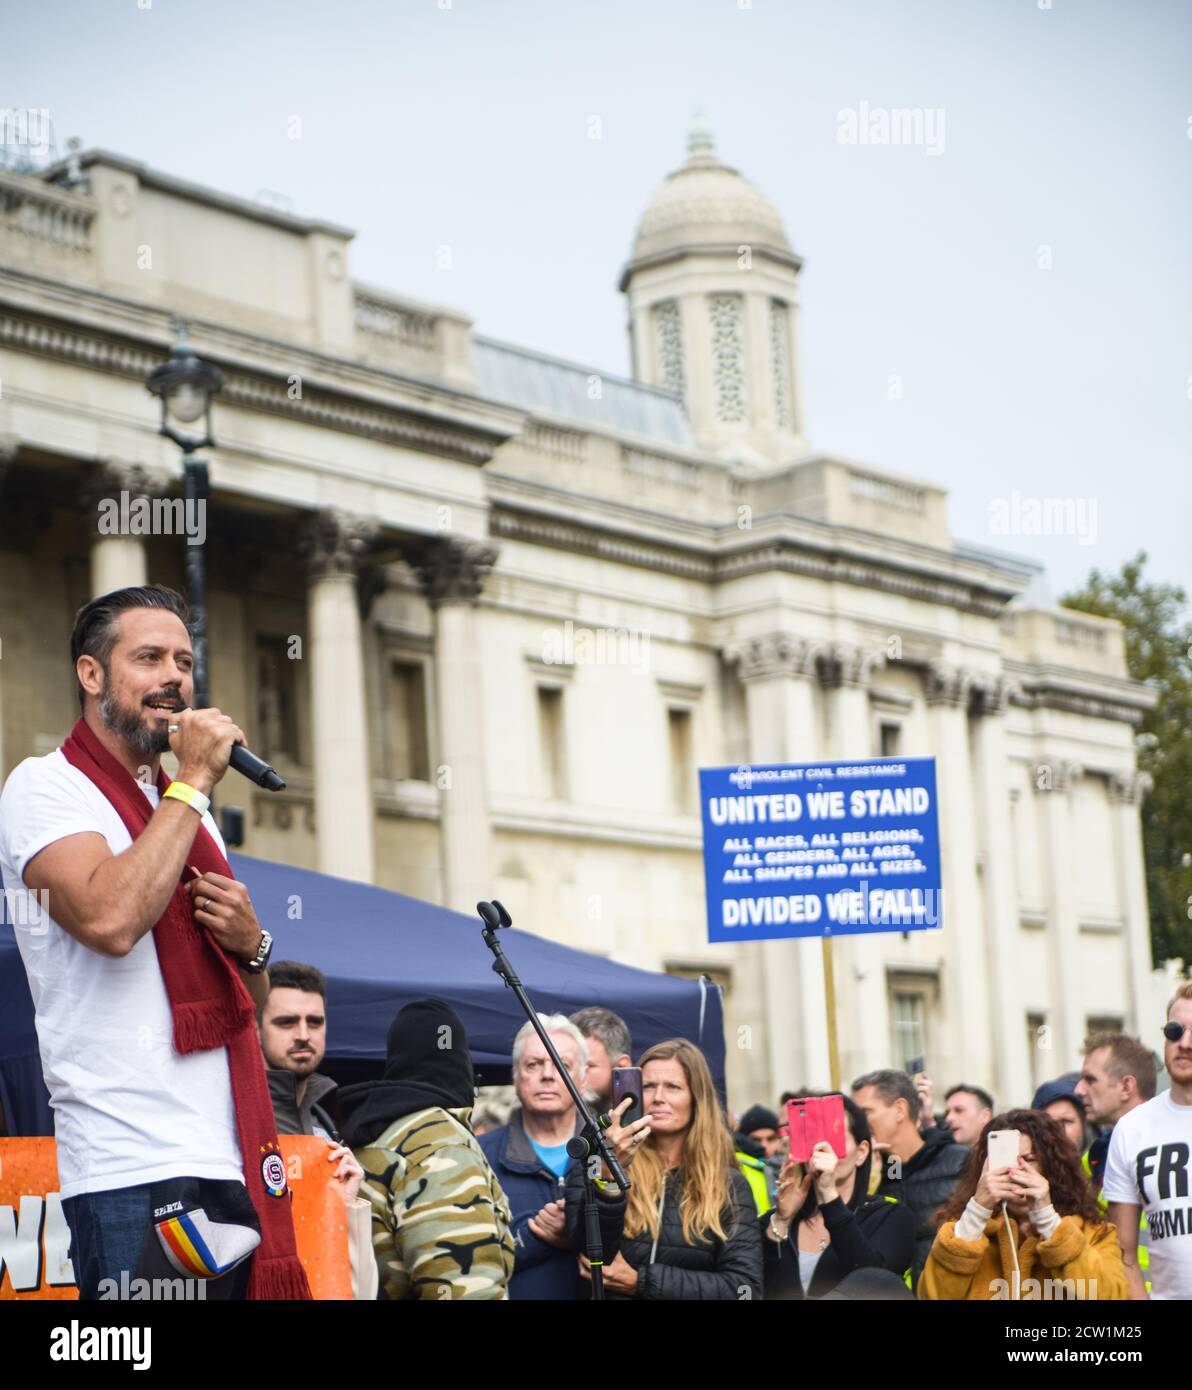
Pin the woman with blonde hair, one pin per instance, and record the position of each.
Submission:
(687, 1229)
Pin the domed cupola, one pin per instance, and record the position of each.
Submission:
(711, 289)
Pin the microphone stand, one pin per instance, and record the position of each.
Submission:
(591, 1140)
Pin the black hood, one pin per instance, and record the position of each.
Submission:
(744, 1145)
(427, 1063)
(933, 1141)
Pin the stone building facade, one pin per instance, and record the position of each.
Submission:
(489, 611)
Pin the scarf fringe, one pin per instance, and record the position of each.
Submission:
(198, 1027)
(282, 1278)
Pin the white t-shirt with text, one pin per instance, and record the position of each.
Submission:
(1150, 1165)
(128, 1109)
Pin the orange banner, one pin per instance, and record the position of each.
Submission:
(34, 1236)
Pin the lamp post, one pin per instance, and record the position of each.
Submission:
(185, 385)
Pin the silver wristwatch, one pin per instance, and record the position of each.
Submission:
(261, 959)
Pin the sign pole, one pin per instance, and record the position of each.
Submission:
(830, 1008)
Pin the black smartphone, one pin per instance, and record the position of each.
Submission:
(916, 1065)
(627, 1081)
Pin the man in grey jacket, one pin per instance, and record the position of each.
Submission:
(919, 1169)
(293, 1029)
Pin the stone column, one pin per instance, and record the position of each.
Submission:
(117, 561)
(778, 671)
(452, 574)
(966, 1050)
(1053, 782)
(1126, 792)
(862, 1002)
(1011, 1075)
(335, 544)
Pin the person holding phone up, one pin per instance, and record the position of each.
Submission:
(824, 1226)
(687, 1230)
(1030, 1229)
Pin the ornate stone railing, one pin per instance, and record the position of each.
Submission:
(33, 212)
(887, 491)
(398, 323)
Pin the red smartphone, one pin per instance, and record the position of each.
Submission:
(815, 1120)
(627, 1081)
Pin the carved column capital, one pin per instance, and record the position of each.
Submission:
(774, 654)
(847, 663)
(947, 684)
(335, 543)
(451, 571)
(1130, 787)
(991, 692)
(107, 478)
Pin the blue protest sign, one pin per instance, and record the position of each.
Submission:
(821, 849)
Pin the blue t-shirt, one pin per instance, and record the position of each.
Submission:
(555, 1156)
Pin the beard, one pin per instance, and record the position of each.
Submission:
(128, 723)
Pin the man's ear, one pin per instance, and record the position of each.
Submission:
(90, 674)
(623, 1061)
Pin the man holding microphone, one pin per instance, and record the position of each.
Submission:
(147, 972)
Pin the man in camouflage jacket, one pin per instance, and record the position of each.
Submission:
(440, 1220)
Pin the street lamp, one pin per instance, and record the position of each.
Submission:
(185, 385)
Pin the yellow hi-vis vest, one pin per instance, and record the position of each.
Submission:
(754, 1171)
(1144, 1255)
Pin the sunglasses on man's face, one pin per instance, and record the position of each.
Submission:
(1174, 1031)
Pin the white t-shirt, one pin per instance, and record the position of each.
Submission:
(128, 1109)
(1150, 1164)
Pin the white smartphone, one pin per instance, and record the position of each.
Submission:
(1003, 1149)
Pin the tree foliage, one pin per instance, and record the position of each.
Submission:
(1158, 651)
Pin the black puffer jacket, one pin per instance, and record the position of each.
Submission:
(729, 1269)
(925, 1185)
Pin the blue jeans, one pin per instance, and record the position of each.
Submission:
(107, 1235)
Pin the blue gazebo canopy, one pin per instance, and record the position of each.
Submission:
(380, 950)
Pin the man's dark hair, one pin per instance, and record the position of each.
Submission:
(1127, 1057)
(610, 1028)
(293, 974)
(892, 1086)
(982, 1097)
(96, 623)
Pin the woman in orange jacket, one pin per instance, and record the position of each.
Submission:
(1033, 1231)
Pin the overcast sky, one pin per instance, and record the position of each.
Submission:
(423, 123)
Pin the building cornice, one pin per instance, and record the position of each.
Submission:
(1043, 686)
(336, 393)
(540, 515)
(759, 250)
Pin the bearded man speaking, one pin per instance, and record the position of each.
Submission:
(145, 972)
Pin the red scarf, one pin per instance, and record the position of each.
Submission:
(212, 1008)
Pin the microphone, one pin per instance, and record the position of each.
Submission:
(255, 769)
(494, 914)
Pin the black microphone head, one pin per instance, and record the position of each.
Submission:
(506, 920)
(490, 915)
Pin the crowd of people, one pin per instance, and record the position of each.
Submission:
(176, 1052)
(1095, 1203)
